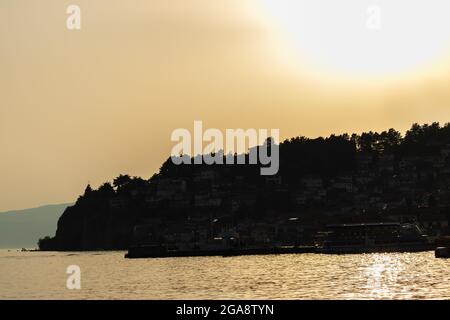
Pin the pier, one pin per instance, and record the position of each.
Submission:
(154, 252)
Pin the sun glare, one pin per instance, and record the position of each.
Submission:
(371, 38)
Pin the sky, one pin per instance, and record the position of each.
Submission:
(83, 106)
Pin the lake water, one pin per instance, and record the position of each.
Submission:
(107, 275)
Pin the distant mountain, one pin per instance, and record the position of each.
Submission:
(23, 228)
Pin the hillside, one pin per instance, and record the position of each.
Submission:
(372, 177)
(23, 228)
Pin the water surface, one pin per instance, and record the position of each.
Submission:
(107, 275)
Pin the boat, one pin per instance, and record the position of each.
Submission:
(372, 237)
(442, 247)
(442, 252)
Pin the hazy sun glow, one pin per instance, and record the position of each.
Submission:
(375, 38)
(83, 106)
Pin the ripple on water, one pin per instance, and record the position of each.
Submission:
(107, 275)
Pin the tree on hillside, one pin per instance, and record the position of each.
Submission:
(121, 181)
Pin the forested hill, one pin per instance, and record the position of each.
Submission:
(319, 179)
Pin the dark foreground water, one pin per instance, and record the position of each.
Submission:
(107, 275)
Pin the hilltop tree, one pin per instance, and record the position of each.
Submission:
(121, 181)
(105, 190)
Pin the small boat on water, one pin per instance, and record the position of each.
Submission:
(372, 237)
(442, 247)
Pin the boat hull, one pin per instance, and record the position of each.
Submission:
(442, 252)
(375, 249)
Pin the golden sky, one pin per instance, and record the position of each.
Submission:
(79, 106)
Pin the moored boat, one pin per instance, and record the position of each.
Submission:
(372, 237)
(442, 247)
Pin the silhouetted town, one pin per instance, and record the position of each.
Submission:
(372, 177)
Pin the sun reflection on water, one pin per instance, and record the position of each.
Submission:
(382, 274)
(304, 276)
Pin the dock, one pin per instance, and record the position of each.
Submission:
(153, 252)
